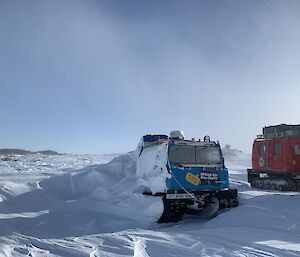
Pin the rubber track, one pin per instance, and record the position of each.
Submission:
(291, 185)
(173, 211)
(228, 203)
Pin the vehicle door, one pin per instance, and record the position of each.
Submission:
(278, 154)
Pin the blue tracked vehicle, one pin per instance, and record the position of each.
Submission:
(198, 178)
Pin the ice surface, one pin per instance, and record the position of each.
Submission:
(86, 206)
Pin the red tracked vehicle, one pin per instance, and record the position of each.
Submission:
(276, 159)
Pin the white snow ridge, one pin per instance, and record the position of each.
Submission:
(75, 206)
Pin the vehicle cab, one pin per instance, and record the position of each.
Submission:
(196, 165)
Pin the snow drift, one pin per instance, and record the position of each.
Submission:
(99, 198)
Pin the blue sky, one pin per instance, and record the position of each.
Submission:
(89, 76)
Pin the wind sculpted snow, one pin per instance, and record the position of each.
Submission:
(94, 209)
(98, 198)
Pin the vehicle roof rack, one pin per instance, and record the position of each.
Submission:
(282, 130)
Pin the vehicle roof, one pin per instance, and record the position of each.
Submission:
(194, 143)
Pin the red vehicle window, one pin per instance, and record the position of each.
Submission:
(297, 149)
(277, 148)
(262, 149)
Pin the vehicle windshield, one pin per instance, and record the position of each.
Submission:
(190, 154)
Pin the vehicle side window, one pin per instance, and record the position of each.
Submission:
(297, 149)
(277, 148)
(262, 149)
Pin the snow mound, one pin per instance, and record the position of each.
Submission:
(151, 171)
(98, 198)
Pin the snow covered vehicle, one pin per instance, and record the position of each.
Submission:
(197, 180)
(276, 159)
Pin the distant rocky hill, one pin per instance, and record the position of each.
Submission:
(6, 151)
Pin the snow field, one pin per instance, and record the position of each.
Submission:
(93, 209)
